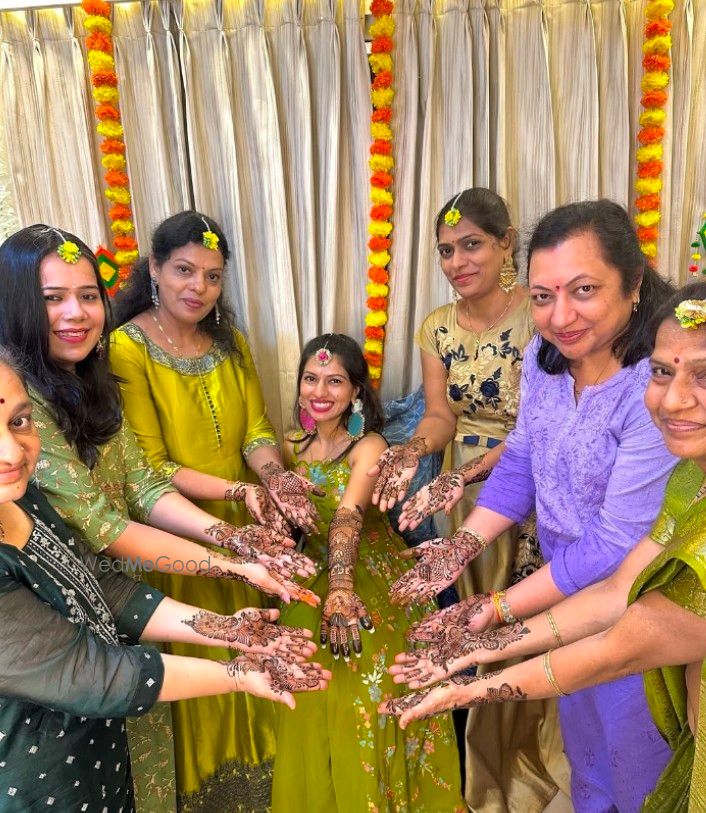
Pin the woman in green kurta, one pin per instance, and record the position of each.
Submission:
(662, 581)
(191, 395)
(340, 754)
(53, 313)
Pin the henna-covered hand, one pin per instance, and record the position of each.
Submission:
(252, 630)
(441, 562)
(458, 692)
(394, 470)
(441, 494)
(456, 648)
(261, 507)
(273, 678)
(342, 616)
(475, 614)
(290, 491)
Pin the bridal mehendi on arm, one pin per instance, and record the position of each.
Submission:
(343, 610)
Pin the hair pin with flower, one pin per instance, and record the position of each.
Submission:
(68, 250)
(323, 355)
(691, 312)
(209, 238)
(453, 216)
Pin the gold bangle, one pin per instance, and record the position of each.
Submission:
(553, 627)
(480, 539)
(495, 595)
(549, 674)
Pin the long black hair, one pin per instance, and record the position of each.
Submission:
(611, 226)
(174, 232)
(351, 357)
(692, 290)
(85, 403)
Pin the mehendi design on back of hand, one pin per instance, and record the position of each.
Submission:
(260, 505)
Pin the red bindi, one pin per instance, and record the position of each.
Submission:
(2, 400)
(676, 360)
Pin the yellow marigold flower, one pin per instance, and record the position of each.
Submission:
(652, 116)
(122, 227)
(647, 219)
(691, 312)
(118, 194)
(372, 346)
(376, 318)
(378, 195)
(110, 129)
(384, 26)
(380, 62)
(381, 162)
(659, 8)
(69, 252)
(377, 289)
(648, 186)
(382, 97)
(652, 152)
(126, 257)
(105, 94)
(94, 22)
(379, 228)
(658, 45)
(452, 217)
(100, 61)
(113, 161)
(375, 372)
(654, 80)
(210, 240)
(381, 258)
(649, 249)
(381, 131)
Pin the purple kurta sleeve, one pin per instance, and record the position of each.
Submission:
(636, 486)
(510, 488)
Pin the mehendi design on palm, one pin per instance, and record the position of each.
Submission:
(398, 465)
(291, 492)
(259, 504)
(282, 676)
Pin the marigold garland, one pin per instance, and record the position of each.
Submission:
(104, 80)
(381, 165)
(656, 65)
(699, 250)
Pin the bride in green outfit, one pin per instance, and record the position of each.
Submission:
(340, 754)
(650, 616)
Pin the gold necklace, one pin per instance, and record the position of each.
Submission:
(172, 344)
(493, 323)
(579, 390)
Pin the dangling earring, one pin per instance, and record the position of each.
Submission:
(100, 348)
(635, 305)
(508, 275)
(218, 314)
(154, 293)
(307, 423)
(356, 421)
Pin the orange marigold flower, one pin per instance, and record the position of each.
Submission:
(125, 242)
(650, 135)
(383, 114)
(373, 359)
(374, 332)
(379, 243)
(656, 62)
(657, 27)
(381, 179)
(380, 147)
(99, 7)
(383, 211)
(649, 169)
(382, 44)
(104, 78)
(377, 303)
(377, 274)
(381, 7)
(120, 212)
(647, 233)
(382, 80)
(98, 41)
(114, 145)
(647, 202)
(115, 177)
(107, 112)
(654, 98)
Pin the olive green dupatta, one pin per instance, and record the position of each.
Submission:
(679, 573)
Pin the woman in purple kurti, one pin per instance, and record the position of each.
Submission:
(587, 454)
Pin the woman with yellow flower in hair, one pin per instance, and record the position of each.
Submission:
(471, 354)
(193, 399)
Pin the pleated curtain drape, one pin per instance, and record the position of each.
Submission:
(257, 112)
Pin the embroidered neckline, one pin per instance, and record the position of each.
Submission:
(206, 363)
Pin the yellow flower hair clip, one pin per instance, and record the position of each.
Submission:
(691, 312)
(68, 250)
(208, 238)
(453, 216)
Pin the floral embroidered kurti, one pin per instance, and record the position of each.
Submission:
(334, 751)
(208, 414)
(66, 681)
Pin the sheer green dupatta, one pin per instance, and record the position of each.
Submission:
(679, 572)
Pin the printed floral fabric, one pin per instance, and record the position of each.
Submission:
(334, 751)
(483, 386)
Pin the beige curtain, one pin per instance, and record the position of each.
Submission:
(257, 112)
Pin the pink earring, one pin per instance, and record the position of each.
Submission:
(308, 424)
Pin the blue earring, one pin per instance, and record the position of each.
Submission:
(356, 421)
